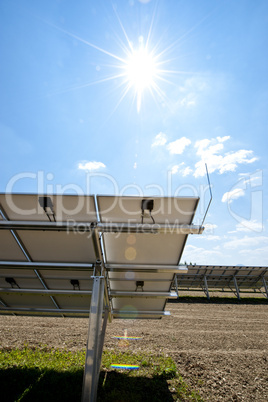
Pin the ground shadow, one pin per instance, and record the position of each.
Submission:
(33, 385)
(219, 300)
(133, 389)
(40, 385)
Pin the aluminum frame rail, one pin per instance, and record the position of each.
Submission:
(102, 227)
(46, 265)
(139, 314)
(146, 268)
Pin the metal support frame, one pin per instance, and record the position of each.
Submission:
(146, 268)
(48, 292)
(176, 285)
(95, 341)
(160, 295)
(236, 288)
(46, 265)
(265, 286)
(103, 227)
(139, 314)
(205, 287)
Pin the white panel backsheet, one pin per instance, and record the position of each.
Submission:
(23, 207)
(158, 282)
(136, 304)
(167, 210)
(143, 248)
(56, 279)
(52, 246)
(9, 250)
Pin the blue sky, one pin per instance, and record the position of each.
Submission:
(71, 120)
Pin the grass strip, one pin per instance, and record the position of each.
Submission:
(45, 374)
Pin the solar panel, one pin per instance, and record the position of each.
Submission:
(39, 207)
(58, 258)
(46, 291)
(166, 210)
(136, 249)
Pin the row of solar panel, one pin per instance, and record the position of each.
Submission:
(36, 284)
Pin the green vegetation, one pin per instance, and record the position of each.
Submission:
(43, 374)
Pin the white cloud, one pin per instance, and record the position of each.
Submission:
(248, 226)
(159, 140)
(175, 169)
(223, 139)
(135, 165)
(246, 242)
(233, 195)
(177, 147)
(210, 226)
(189, 100)
(185, 172)
(211, 237)
(254, 256)
(201, 144)
(211, 154)
(190, 93)
(200, 255)
(89, 166)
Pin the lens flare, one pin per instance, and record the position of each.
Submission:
(125, 366)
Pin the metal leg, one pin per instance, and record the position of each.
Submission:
(236, 288)
(205, 288)
(265, 285)
(176, 285)
(94, 349)
(102, 336)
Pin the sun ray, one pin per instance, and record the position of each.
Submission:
(150, 29)
(123, 29)
(87, 43)
(88, 84)
(139, 67)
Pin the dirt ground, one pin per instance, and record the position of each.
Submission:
(220, 349)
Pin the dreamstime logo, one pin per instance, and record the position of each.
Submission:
(249, 216)
(171, 204)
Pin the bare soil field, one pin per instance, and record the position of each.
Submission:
(220, 349)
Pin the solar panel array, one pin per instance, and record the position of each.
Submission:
(224, 277)
(50, 246)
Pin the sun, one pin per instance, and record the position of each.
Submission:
(140, 68)
(140, 71)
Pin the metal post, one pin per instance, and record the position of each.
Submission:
(91, 373)
(102, 337)
(236, 288)
(176, 286)
(206, 287)
(265, 285)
